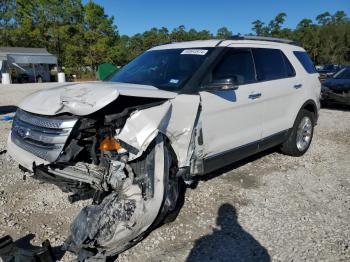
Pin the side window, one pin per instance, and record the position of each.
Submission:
(237, 64)
(306, 61)
(269, 64)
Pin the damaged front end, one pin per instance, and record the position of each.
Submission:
(131, 178)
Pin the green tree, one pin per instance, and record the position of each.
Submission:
(324, 18)
(135, 46)
(179, 34)
(305, 23)
(223, 33)
(84, 36)
(99, 34)
(339, 17)
(259, 28)
(276, 24)
(7, 22)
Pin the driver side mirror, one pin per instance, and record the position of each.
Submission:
(222, 84)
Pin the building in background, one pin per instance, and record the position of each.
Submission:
(27, 65)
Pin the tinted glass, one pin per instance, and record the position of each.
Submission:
(166, 69)
(269, 64)
(305, 60)
(237, 64)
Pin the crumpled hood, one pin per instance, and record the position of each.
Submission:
(86, 98)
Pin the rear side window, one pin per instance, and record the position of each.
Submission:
(237, 64)
(305, 60)
(270, 64)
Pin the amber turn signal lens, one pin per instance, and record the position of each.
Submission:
(110, 144)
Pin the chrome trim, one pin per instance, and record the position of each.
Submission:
(42, 136)
(304, 133)
(47, 122)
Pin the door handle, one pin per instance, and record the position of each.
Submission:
(297, 86)
(254, 95)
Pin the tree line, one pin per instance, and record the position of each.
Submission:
(84, 36)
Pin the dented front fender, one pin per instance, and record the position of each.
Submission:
(175, 119)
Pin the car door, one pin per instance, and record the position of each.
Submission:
(231, 119)
(280, 89)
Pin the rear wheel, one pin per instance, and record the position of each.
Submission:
(300, 137)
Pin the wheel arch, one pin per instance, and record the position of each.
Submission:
(310, 105)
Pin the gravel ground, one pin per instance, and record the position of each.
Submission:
(281, 208)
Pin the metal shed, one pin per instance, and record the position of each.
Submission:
(33, 58)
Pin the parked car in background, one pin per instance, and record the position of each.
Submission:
(327, 71)
(337, 88)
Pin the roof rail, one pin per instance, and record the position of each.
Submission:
(264, 38)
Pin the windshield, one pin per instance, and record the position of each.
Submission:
(166, 69)
(343, 74)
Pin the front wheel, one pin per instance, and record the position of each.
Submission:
(300, 137)
(126, 215)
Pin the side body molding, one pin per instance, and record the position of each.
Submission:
(175, 119)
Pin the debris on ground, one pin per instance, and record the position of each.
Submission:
(285, 208)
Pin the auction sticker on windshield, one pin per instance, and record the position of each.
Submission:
(194, 52)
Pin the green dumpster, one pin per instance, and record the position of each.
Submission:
(105, 70)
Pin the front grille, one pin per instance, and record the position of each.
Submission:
(42, 136)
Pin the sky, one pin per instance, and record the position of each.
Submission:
(137, 16)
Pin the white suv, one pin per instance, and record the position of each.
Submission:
(175, 113)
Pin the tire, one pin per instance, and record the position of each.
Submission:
(301, 134)
(149, 198)
(174, 187)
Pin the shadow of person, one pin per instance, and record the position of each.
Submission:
(230, 242)
(22, 250)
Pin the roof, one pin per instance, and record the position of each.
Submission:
(23, 50)
(27, 55)
(251, 42)
(189, 44)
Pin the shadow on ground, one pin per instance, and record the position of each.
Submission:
(229, 242)
(7, 109)
(22, 250)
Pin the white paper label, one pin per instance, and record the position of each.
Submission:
(194, 52)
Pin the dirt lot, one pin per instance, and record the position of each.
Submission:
(279, 207)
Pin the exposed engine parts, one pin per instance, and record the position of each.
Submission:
(126, 164)
(130, 209)
(128, 197)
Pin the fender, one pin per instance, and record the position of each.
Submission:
(311, 106)
(175, 119)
